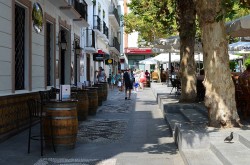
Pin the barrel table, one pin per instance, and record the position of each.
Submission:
(93, 100)
(105, 90)
(63, 117)
(83, 104)
(100, 93)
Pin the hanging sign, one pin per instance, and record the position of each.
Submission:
(109, 61)
(98, 57)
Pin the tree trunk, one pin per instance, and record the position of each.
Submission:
(220, 92)
(186, 19)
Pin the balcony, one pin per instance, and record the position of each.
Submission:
(105, 29)
(59, 3)
(115, 45)
(114, 16)
(77, 11)
(97, 25)
(90, 41)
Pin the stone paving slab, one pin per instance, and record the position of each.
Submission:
(200, 157)
(231, 153)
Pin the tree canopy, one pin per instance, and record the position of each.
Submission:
(152, 19)
(155, 19)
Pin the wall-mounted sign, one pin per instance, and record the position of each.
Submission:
(138, 51)
(109, 61)
(98, 57)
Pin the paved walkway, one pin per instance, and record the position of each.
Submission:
(197, 142)
(123, 132)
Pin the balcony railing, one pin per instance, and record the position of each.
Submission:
(97, 22)
(76, 10)
(114, 11)
(115, 44)
(105, 29)
(90, 38)
(82, 9)
(117, 15)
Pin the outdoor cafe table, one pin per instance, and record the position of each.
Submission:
(63, 118)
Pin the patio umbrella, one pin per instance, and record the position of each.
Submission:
(239, 46)
(239, 27)
(235, 57)
(164, 58)
(148, 61)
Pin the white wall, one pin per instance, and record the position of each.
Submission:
(37, 70)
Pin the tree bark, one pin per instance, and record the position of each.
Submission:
(186, 18)
(220, 91)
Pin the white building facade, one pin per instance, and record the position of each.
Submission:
(47, 43)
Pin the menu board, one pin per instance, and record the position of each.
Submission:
(65, 91)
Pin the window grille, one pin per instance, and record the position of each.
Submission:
(19, 47)
(48, 53)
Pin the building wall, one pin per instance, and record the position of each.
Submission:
(5, 46)
(36, 81)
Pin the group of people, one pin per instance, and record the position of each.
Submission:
(125, 79)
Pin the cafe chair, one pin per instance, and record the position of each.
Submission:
(45, 96)
(200, 90)
(178, 87)
(173, 84)
(37, 116)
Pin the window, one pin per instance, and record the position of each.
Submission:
(49, 54)
(19, 47)
(22, 47)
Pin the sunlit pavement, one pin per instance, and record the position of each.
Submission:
(123, 132)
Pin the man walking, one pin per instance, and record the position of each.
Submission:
(128, 83)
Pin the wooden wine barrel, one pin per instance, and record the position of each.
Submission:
(93, 100)
(100, 93)
(62, 116)
(82, 104)
(105, 90)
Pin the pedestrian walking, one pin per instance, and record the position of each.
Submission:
(142, 79)
(119, 80)
(113, 80)
(128, 81)
(101, 76)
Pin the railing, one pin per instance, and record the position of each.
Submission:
(113, 10)
(116, 43)
(117, 15)
(105, 29)
(97, 22)
(90, 38)
(81, 8)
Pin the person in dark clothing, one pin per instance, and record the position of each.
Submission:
(128, 83)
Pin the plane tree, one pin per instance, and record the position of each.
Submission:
(220, 91)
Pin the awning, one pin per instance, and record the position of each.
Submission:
(239, 27)
(150, 60)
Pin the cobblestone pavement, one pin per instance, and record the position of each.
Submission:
(123, 132)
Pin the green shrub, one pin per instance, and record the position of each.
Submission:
(247, 62)
(232, 65)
